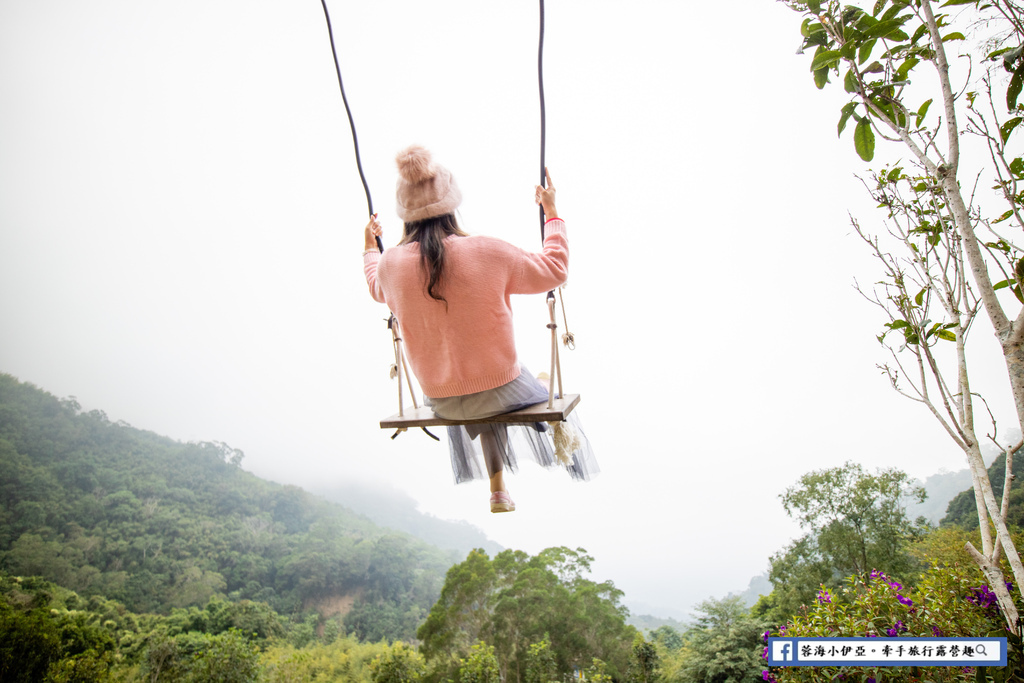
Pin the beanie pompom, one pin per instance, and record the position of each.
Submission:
(425, 189)
(414, 164)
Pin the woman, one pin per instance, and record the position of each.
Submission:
(450, 292)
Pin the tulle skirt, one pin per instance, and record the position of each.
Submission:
(512, 441)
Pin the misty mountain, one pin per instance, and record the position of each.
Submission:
(758, 586)
(395, 509)
(941, 489)
(647, 622)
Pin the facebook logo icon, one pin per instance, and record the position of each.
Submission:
(782, 650)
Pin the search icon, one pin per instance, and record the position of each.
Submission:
(980, 649)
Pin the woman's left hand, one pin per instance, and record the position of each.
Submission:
(372, 231)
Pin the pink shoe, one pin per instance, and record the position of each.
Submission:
(502, 502)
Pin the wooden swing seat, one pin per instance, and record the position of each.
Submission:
(424, 416)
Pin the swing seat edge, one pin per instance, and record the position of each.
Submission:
(539, 412)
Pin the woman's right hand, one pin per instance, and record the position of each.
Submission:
(373, 230)
(545, 196)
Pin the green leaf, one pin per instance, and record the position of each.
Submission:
(878, 7)
(1006, 214)
(885, 29)
(896, 8)
(865, 22)
(919, 299)
(850, 13)
(864, 140)
(1007, 128)
(848, 50)
(847, 113)
(897, 324)
(1016, 292)
(824, 59)
(950, 3)
(1001, 51)
(1002, 285)
(1010, 56)
(821, 78)
(850, 82)
(814, 6)
(864, 53)
(918, 34)
(1014, 88)
(1017, 167)
(923, 111)
(945, 334)
(955, 35)
(905, 67)
(884, 106)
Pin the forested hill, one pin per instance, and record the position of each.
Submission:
(103, 508)
(963, 510)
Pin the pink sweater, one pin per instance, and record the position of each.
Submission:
(471, 346)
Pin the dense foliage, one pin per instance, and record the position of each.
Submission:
(106, 509)
(950, 599)
(51, 634)
(856, 522)
(537, 613)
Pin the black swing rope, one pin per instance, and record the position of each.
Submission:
(543, 116)
(567, 338)
(359, 165)
(351, 122)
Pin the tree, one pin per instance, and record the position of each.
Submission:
(480, 666)
(514, 602)
(399, 664)
(723, 645)
(540, 663)
(667, 638)
(645, 665)
(226, 658)
(856, 521)
(883, 50)
(29, 644)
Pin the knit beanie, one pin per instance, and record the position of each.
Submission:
(425, 189)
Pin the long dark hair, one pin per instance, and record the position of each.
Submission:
(430, 233)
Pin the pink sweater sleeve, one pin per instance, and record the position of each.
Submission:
(370, 260)
(547, 269)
